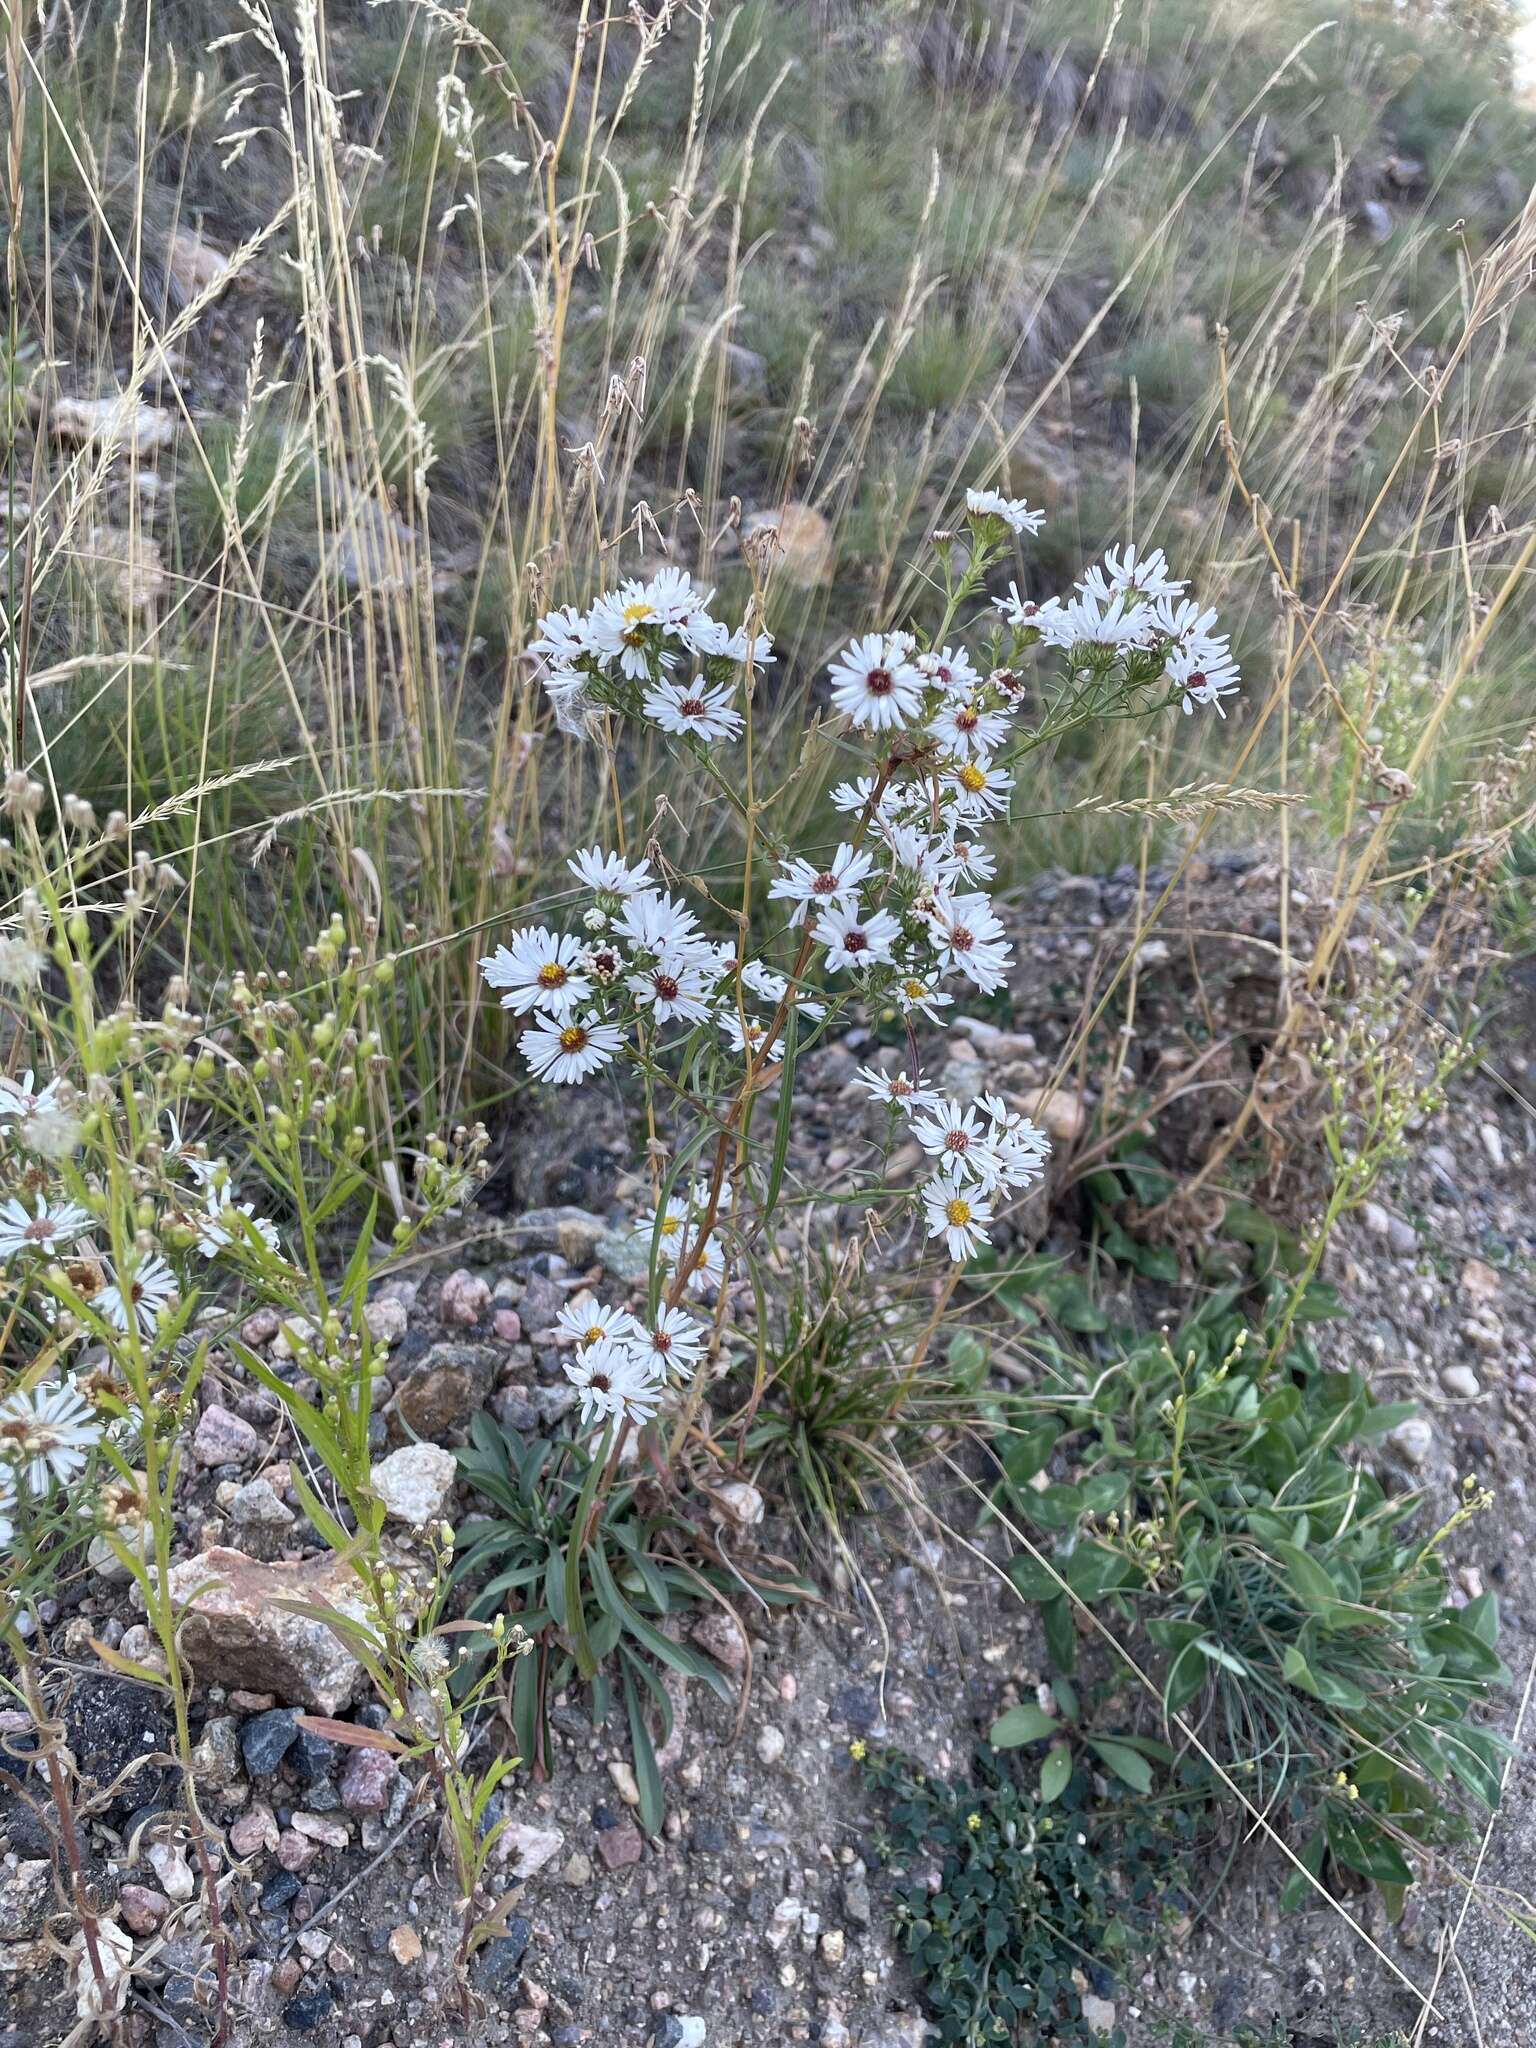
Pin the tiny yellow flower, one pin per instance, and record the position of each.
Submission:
(858, 1749)
(973, 1821)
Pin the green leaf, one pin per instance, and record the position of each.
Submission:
(1296, 1892)
(647, 1773)
(1306, 1578)
(1481, 1616)
(1361, 1845)
(1018, 1725)
(1125, 1763)
(1032, 1579)
(1054, 1774)
(1092, 1571)
(1060, 1633)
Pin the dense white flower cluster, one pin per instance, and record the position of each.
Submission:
(897, 914)
(621, 1365)
(622, 654)
(1130, 605)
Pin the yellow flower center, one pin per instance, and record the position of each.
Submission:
(670, 1225)
(914, 989)
(553, 975)
(637, 613)
(971, 778)
(592, 1332)
(958, 1211)
(572, 1038)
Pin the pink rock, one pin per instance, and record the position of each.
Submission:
(255, 1830)
(319, 1827)
(720, 1636)
(620, 1846)
(368, 1780)
(508, 1325)
(296, 1852)
(223, 1438)
(235, 1632)
(142, 1908)
(464, 1298)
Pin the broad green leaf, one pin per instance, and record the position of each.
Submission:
(1125, 1763)
(1054, 1774)
(1027, 1723)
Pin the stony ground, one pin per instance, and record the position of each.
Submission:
(759, 1913)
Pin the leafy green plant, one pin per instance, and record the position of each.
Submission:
(1208, 1500)
(634, 1577)
(1037, 1901)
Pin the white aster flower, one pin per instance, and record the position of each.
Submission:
(978, 789)
(959, 1136)
(674, 985)
(625, 626)
(609, 874)
(874, 683)
(585, 1320)
(918, 997)
(1021, 1151)
(49, 1229)
(693, 708)
(745, 1034)
(711, 638)
(1119, 620)
(958, 1212)
(857, 796)
(1184, 621)
(540, 970)
(1206, 674)
(1024, 611)
(562, 637)
(675, 598)
(968, 935)
(899, 1089)
(962, 727)
(949, 669)
(654, 922)
(613, 1382)
(142, 1298)
(674, 1339)
(1123, 569)
(1015, 512)
(802, 883)
(967, 860)
(569, 1052)
(23, 1098)
(773, 987)
(216, 1232)
(45, 1434)
(856, 938)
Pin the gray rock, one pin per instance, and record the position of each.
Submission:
(24, 1895)
(450, 1384)
(266, 1739)
(499, 1966)
(1413, 1440)
(223, 1438)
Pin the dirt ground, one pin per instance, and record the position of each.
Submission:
(759, 1913)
